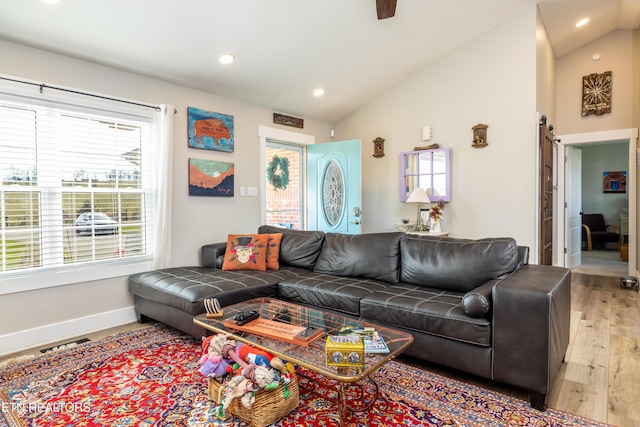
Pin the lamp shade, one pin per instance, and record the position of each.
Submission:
(418, 195)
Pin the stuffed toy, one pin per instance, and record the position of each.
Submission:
(212, 363)
(254, 355)
(250, 380)
(245, 355)
(237, 386)
(213, 366)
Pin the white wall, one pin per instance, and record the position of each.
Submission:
(196, 220)
(493, 81)
(618, 52)
(545, 73)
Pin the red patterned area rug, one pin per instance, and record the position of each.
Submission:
(149, 377)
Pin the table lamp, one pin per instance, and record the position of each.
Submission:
(418, 195)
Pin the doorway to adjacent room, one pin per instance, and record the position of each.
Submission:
(568, 237)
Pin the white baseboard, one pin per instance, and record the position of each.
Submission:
(37, 337)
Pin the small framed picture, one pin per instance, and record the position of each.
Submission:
(424, 215)
(614, 182)
(479, 135)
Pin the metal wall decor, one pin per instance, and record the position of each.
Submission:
(480, 136)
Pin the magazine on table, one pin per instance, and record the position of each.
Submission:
(373, 341)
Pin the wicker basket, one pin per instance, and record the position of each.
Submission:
(270, 405)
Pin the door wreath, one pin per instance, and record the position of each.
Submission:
(278, 172)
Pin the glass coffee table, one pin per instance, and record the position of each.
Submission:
(315, 323)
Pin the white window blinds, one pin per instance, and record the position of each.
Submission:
(77, 183)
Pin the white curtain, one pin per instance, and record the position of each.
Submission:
(164, 180)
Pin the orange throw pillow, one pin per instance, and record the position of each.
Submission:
(273, 251)
(246, 252)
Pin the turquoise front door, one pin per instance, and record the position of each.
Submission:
(334, 186)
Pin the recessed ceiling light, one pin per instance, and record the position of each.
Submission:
(51, 1)
(582, 22)
(318, 92)
(227, 58)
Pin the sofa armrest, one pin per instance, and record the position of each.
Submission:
(210, 254)
(531, 313)
(523, 256)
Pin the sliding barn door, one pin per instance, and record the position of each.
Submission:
(546, 192)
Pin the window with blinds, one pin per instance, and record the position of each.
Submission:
(74, 188)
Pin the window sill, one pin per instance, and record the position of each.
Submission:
(21, 282)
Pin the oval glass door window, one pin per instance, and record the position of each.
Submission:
(333, 193)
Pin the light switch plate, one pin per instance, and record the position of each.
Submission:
(426, 133)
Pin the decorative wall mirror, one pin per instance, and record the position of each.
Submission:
(428, 169)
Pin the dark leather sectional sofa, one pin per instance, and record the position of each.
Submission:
(473, 305)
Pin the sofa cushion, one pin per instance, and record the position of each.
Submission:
(185, 287)
(298, 248)
(246, 252)
(457, 265)
(373, 256)
(427, 310)
(327, 291)
(273, 251)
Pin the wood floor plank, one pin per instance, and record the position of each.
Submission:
(597, 306)
(583, 399)
(624, 378)
(589, 358)
(625, 313)
(575, 318)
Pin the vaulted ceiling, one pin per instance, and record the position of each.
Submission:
(285, 49)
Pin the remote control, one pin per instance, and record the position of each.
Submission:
(246, 317)
(307, 332)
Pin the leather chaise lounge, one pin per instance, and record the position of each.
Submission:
(473, 305)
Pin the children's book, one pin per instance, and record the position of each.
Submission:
(373, 341)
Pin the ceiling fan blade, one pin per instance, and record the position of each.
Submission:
(386, 8)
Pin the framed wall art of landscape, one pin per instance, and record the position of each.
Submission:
(210, 178)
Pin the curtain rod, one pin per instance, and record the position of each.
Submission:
(42, 86)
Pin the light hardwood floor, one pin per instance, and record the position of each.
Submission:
(600, 378)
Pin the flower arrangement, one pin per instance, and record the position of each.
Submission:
(437, 212)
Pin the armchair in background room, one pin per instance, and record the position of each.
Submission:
(594, 230)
